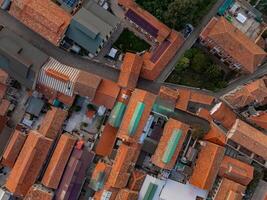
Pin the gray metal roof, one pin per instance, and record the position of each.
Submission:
(35, 106)
(19, 58)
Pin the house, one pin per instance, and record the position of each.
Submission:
(136, 180)
(207, 165)
(260, 119)
(215, 135)
(20, 59)
(28, 164)
(126, 194)
(44, 17)
(170, 144)
(37, 191)
(91, 27)
(232, 46)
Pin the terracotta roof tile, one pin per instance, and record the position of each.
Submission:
(260, 119)
(168, 96)
(235, 43)
(170, 127)
(28, 164)
(183, 99)
(43, 17)
(230, 190)
(58, 161)
(130, 70)
(100, 175)
(126, 194)
(236, 170)
(114, 191)
(107, 93)
(13, 149)
(139, 97)
(136, 180)
(52, 122)
(256, 142)
(201, 98)
(207, 166)
(37, 192)
(107, 140)
(204, 113)
(223, 114)
(215, 135)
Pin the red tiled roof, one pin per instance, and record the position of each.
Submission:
(204, 113)
(169, 127)
(13, 149)
(260, 119)
(52, 122)
(235, 43)
(223, 114)
(137, 96)
(107, 188)
(183, 99)
(43, 17)
(28, 164)
(207, 166)
(106, 94)
(169, 96)
(126, 194)
(101, 168)
(37, 192)
(236, 170)
(136, 180)
(256, 142)
(58, 161)
(215, 135)
(201, 98)
(130, 70)
(107, 140)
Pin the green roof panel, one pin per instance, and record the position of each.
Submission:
(138, 112)
(116, 114)
(151, 190)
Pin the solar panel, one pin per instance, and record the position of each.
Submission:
(145, 25)
(70, 3)
(160, 50)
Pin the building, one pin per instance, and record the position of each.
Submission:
(13, 148)
(28, 164)
(170, 144)
(233, 46)
(126, 194)
(58, 162)
(236, 171)
(91, 27)
(74, 174)
(20, 59)
(136, 180)
(136, 116)
(44, 17)
(207, 165)
(130, 70)
(52, 122)
(253, 145)
(260, 119)
(39, 192)
(215, 135)
(261, 191)
(167, 98)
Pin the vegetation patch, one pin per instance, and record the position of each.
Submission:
(177, 13)
(197, 69)
(129, 42)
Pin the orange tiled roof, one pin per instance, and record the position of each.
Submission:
(13, 149)
(125, 3)
(130, 70)
(260, 119)
(3, 76)
(201, 98)
(204, 113)
(107, 93)
(235, 43)
(114, 192)
(103, 168)
(255, 91)
(52, 122)
(107, 140)
(136, 180)
(215, 135)
(86, 84)
(120, 172)
(183, 99)
(207, 166)
(43, 17)
(37, 192)
(126, 194)
(241, 134)
(28, 164)
(170, 126)
(137, 96)
(222, 113)
(236, 170)
(58, 161)
(168, 96)
(151, 70)
(230, 190)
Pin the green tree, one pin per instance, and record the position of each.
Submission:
(182, 64)
(199, 62)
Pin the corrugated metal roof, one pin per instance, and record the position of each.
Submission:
(140, 107)
(116, 115)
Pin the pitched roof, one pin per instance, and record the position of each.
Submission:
(43, 17)
(99, 195)
(106, 93)
(183, 99)
(130, 70)
(236, 170)
(52, 122)
(201, 98)
(157, 60)
(215, 135)
(207, 165)
(136, 180)
(168, 147)
(13, 148)
(230, 190)
(28, 164)
(204, 113)
(136, 115)
(167, 97)
(241, 134)
(223, 114)
(58, 161)
(39, 192)
(260, 119)
(235, 43)
(126, 194)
